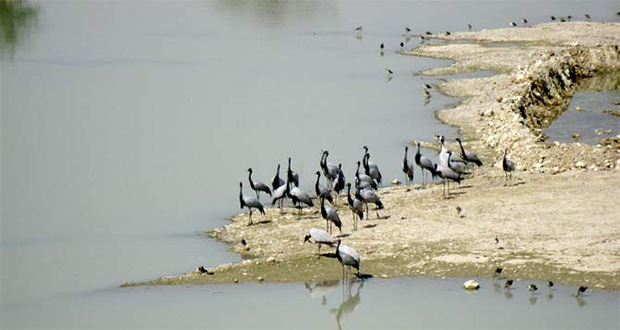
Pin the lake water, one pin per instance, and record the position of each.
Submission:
(126, 127)
(585, 115)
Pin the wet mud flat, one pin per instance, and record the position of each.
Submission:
(557, 220)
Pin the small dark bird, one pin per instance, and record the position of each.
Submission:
(428, 33)
(498, 271)
(448, 33)
(459, 211)
(508, 284)
(588, 16)
(550, 284)
(513, 24)
(389, 72)
(427, 86)
(422, 38)
(562, 19)
(203, 270)
(469, 27)
(552, 18)
(402, 44)
(359, 28)
(524, 20)
(407, 29)
(569, 17)
(496, 240)
(581, 291)
(243, 242)
(427, 94)
(532, 287)
(382, 46)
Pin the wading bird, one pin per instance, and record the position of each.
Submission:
(320, 237)
(277, 182)
(331, 216)
(508, 166)
(257, 186)
(407, 168)
(291, 176)
(425, 164)
(250, 202)
(469, 156)
(320, 190)
(348, 257)
(356, 206)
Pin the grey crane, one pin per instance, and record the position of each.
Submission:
(348, 257)
(446, 173)
(330, 170)
(443, 153)
(370, 171)
(374, 168)
(277, 182)
(321, 191)
(356, 206)
(508, 166)
(425, 164)
(407, 168)
(258, 186)
(320, 237)
(339, 181)
(364, 180)
(458, 167)
(300, 197)
(469, 156)
(369, 196)
(331, 216)
(279, 195)
(291, 176)
(250, 202)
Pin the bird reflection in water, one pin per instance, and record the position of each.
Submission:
(321, 289)
(349, 301)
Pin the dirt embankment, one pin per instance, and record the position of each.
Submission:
(563, 227)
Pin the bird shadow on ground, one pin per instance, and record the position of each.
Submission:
(370, 226)
(263, 222)
(343, 235)
(465, 186)
(328, 255)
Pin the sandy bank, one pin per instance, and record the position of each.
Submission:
(559, 222)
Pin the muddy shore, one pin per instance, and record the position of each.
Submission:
(558, 219)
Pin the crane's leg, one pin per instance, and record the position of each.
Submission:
(319, 250)
(250, 223)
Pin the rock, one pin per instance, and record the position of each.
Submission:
(260, 279)
(271, 259)
(396, 182)
(235, 280)
(471, 285)
(580, 164)
(578, 109)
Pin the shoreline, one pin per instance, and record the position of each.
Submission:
(558, 222)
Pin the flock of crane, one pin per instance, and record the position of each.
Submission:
(452, 166)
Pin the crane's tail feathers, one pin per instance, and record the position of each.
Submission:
(479, 163)
(261, 209)
(379, 205)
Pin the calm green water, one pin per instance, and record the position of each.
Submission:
(126, 126)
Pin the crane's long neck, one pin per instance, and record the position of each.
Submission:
(462, 149)
(405, 159)
(250, 179)
(323, 211)
(366, 168)
(349, 199)
(278, 171)
(316, 185)
(241, 202)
